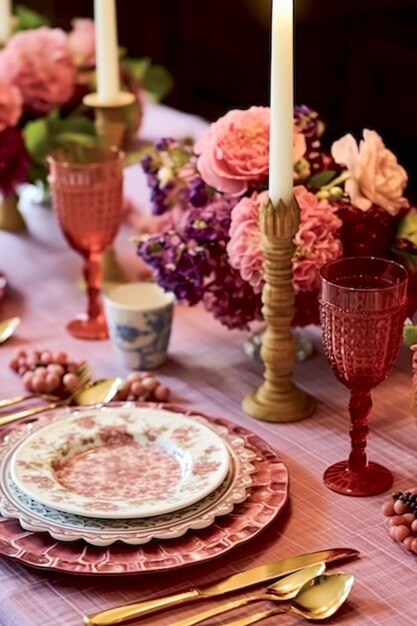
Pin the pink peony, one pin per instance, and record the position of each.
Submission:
(375, 176)
(235, 150)
(316, 240)
(10, 105)
(81, 41)
(39, 63)
(244, 247)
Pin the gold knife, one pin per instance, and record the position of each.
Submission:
(256, 575)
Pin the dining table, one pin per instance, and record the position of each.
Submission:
(208, 371)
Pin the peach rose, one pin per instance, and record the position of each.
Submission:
(10, 105)
(235, 150)
(375, 176)
(39, 63)
(81, 41)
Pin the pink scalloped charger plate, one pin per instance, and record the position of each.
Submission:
(267, 497)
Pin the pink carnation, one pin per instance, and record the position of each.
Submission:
(316, 240)
(81, 41)
(10, 105)
(375, 176)
(235, 150)
(39, 63)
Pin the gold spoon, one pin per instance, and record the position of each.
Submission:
(7, 328)
(318, 599)
(98, 391)
(283, 589)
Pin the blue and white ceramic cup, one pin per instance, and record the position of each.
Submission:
(139, 319)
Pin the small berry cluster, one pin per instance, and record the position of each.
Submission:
(44, 371)
(143, 386)
(401, 511)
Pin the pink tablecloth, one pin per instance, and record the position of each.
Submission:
(208, 370)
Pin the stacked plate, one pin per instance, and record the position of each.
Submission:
(128, 488)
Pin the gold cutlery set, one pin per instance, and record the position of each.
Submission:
(313, 594)
(87, 393)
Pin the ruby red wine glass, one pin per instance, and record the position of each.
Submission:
(362, 311)
(86, 187)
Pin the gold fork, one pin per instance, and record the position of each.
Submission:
(18, 399)
(83, 373)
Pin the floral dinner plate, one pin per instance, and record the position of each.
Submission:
(35, 516)
(121, 462)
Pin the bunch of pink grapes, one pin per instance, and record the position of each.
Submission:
(45, 371)
(143, 386)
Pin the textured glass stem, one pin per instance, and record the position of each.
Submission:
(93, 275)
(359, 408)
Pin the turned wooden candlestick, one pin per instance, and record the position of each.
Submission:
(278, 399)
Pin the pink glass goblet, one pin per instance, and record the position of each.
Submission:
(86, 187)
(362, 311)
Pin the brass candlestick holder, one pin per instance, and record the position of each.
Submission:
(110, 117)
(278, 399)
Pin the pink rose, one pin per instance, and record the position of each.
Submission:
(10, 105)
(81, 41)
(316, 241)
(375, 176)
(39, 63)
(235, 150)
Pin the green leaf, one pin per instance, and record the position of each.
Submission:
(28, 19)
(76, 124)
(321, 179)
(156, 79)
(410, 335)
(137, 67)
(37, 139)
(158, 82)
(63, 139)
(38, 172)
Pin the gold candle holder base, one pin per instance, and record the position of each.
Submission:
(110, 117)
(10, 216)
(278, 399)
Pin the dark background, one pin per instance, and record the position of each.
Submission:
(356, 60)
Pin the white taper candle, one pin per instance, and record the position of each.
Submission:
(5, 20)
(282, 102)
(107, 55)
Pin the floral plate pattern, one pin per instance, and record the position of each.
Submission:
(266, 500)
(35, 516)
(107, 462)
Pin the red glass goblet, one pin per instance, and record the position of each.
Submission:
(87, 186)
(362, 311)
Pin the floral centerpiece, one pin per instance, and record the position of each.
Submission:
(44, 74)
(205, 241)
